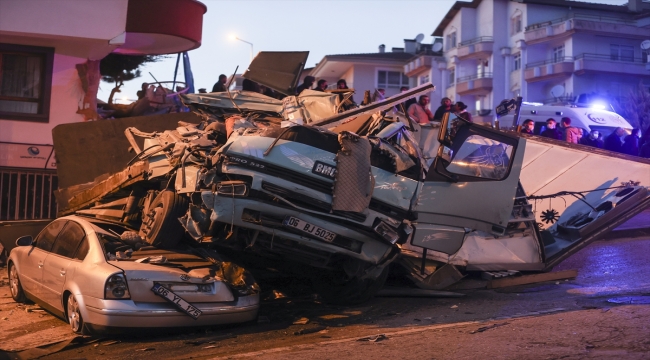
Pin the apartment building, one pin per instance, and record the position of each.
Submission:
(543, 50)
(49, 52)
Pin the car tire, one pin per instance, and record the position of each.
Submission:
(347, 292)
(73, 313)
(160, 226)
(15, 287)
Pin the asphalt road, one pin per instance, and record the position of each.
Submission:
(584, 317)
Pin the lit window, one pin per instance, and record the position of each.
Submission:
(558, 54)
(621, 52)
(391, 79)
(516, 59)
(25, 82)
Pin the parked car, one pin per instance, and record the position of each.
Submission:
(98, 274)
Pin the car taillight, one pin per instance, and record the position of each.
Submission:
(116, 287)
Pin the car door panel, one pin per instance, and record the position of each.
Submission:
(31, 269)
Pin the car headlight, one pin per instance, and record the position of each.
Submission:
(232, 188)
(116, 288)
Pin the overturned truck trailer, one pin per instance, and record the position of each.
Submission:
(347, 193)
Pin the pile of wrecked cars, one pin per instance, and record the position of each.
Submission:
(297, 184)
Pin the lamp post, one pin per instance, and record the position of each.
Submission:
(247, 42)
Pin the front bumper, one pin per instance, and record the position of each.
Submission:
(349, 243)
(127, 313)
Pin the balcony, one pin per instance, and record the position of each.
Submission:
(478, 84)
(549, 69)
(601, 25)
(478, 48)
(418, 65)
(610, 64)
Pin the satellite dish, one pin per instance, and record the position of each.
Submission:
(437, 46)
(557, 91)
(419, 38)
(645, 45)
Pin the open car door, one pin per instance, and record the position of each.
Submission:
(470, 186)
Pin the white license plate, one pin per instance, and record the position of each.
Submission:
(178, 301)
(308, 228)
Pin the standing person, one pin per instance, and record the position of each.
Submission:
(307, 83)
(571, 134)
(349, 103)
(631, 143)
(420, 111)
(406, 104)
(551, 130)
(461, 111)
(593, 140)
(220, 86)
(445, 106)
(613, 141)
(321, 85)
(528, 127)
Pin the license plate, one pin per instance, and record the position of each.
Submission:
(178, 301)
(308, 228)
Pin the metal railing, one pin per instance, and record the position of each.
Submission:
(477, 40)
(550, 61)
(485, 75)
(610, 57)
(607, 19)
(27, 195)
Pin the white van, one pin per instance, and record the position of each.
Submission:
(587, 119)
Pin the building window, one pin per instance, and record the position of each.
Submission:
(515, 24)
(451, 40)
(391, 80)
(25, 82)
(424, 79)
(621, 52)
(558, 54)
(452, 76)
(516, 59)
(644, 56)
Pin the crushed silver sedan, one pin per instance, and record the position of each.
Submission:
(98, 274)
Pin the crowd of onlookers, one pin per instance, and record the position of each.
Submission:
(618, 140)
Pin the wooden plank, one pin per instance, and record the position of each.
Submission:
(531, 279)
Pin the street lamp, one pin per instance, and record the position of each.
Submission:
(235, 37)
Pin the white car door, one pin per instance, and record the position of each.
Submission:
(57, 263)
(31, 269)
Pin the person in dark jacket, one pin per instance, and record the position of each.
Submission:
(631, 143)
(551, 130)
(445, 107)
(592, 140)
(644, 149)
(349, 103)
(613, 140)
(220, 86)
(461, 111)
(307, 83)
(528, 126)
(321, 85)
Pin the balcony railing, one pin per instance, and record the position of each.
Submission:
(27, 195)
(607, 19)
(551, 61)
(484, 75)
(610, 57)
(476, 41)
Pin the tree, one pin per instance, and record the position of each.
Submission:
(636, 107)
(117, 68)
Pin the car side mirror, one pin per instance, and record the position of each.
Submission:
(26, 240)
(443, 134)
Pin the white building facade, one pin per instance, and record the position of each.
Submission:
(545, 51)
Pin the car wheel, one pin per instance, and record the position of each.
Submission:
(16, 288)
(334, 290)
(160, 226)
(75, 319)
